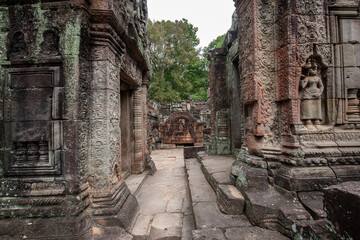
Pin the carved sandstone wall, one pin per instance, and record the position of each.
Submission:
(64, 67)
(161, 116)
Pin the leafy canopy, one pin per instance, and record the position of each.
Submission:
(179, 69)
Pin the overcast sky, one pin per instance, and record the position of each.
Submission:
(211, 17)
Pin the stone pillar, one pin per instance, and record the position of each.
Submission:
(113, 204)
(219, 102)
(138, 164)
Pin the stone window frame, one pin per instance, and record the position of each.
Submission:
(54, 164)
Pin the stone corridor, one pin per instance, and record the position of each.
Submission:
(165, 206)
(177, 202)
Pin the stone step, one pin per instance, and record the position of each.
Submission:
(269, 206)
(204, 201)
(210, 222)
(217, 170)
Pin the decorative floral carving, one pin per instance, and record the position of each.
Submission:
(311, 30)
(310, 6)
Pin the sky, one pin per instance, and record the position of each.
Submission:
(211, 17)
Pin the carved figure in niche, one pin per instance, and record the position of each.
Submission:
(18, 44)
(50, 44)
(353, 110)
(311, 90)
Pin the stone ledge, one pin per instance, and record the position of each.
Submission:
(217, 170)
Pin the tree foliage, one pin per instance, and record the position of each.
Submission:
(216, 43)
(179, 69)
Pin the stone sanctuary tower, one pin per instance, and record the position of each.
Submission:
(73, 89)
(291, 114)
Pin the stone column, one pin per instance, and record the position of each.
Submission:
(113, 204)
(138, 164)
(219, 102)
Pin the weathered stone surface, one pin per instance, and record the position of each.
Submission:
(252, 233)
(214, 234)
(142, 226)
(190, 152)
(230, 200)
(167, 226)
(110, 233)
(305, 179)
(247, 177)
(159, 113)
(188, 226)
(313, 203)
(181, 128)
(135, 181)
(273, 210)
(165, 205)
(60, 116)
(341, 203)
(208, 215)
(298, 107)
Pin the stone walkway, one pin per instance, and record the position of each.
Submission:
(178, 202)
(164, 200)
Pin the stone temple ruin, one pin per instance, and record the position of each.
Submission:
(284, 99)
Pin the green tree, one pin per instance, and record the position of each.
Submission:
(172, 50)
(179, 69)
(216, 43)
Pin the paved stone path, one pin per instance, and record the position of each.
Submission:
(178, 199)
(164, 200)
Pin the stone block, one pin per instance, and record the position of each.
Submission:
(230, 200)
(347, 173)
(247, 177)
(305, 179)
(313, 202)
(190, 152)
(341, 203)
(271, 209)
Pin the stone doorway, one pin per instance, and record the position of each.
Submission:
(127, 130)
